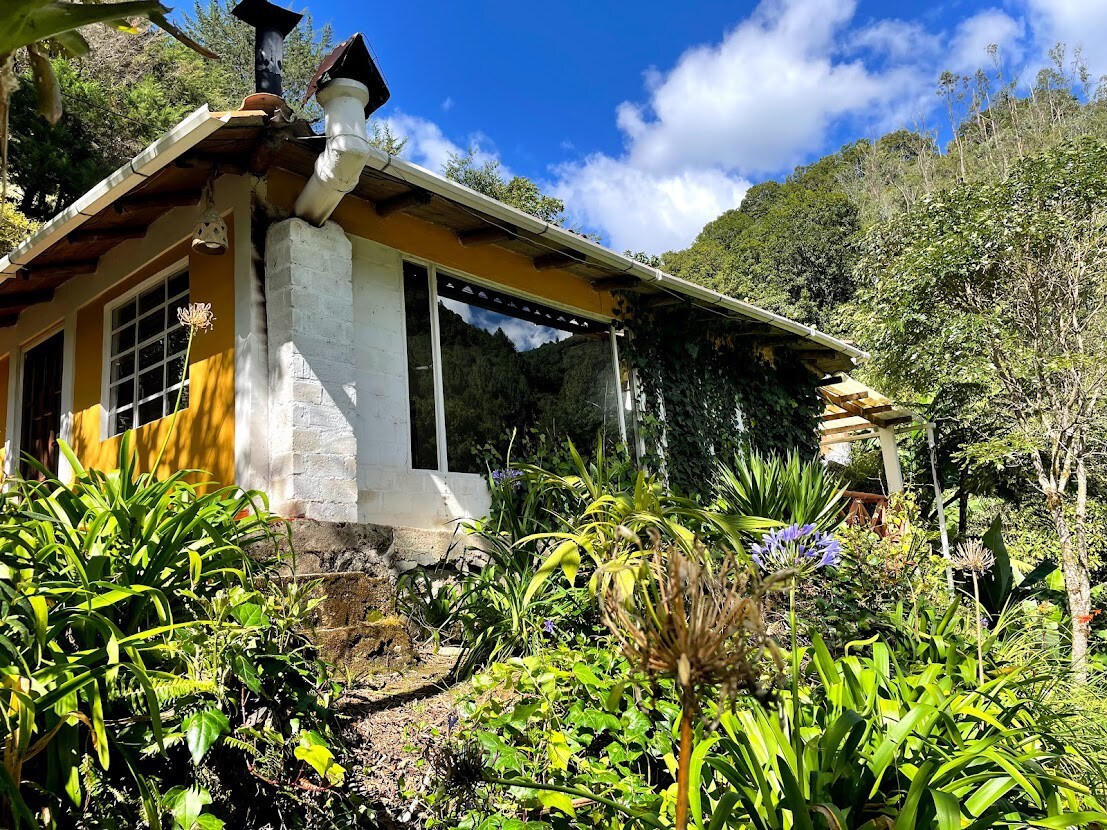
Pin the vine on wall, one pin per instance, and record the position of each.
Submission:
(720, 388)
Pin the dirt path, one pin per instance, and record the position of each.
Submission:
(395, 724)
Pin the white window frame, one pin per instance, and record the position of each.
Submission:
(436, 349)
(164, 275)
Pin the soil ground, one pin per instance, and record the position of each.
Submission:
(395, 725)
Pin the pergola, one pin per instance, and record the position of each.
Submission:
(855, 412)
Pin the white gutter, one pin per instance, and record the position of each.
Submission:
(560, 238)
(188, 133)
(339, 166)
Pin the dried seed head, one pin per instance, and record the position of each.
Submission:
(196, 317)
(973, 556)
(695, 620)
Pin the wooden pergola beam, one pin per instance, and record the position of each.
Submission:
(847, 428)
(22, 299)
(554, 259)
(169, 199)
(106, 235)
(59, 269)
(615, 283)
(486, 235)
(402, 201)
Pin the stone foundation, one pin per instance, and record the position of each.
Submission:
(356, 565)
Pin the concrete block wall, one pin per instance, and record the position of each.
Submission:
(313, 391)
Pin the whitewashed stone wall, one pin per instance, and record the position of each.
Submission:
(389, 491)
(339, 435)
(313, 394)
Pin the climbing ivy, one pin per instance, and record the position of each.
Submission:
(708, 386)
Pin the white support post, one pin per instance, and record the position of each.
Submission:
(893, 473)
(313, 399)
(939, 505)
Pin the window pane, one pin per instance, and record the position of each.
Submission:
(122, 366)
(177, 340)
(151, 298)
(151, 325)
(420, 368)
(504, 372)
(150, 383)
(123, 394)
(153, 352)
(173, 371)
(123, 314)
(123, 421)
(123, 339)
(149, 411)
(177, 285)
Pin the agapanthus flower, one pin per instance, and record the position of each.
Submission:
(799, 548)
(507, 478)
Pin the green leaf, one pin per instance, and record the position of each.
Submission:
(250, 614)
(557, 801)
(202, 730)
(316, 752)
(185, 805)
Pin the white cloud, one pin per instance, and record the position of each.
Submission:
(760, 99)
(645, 211)
(429, 147)
(448, 104)
(1079, 24)
(968, 48)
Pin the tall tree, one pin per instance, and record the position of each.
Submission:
(232, 79)
(1003, 288)
(518, 191)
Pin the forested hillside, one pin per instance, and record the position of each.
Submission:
(792, 246)
(975, 271)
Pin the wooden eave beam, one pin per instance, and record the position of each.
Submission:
(169, 199)
(615, 283)
(8, 320)
(661, 300)
(402, 201)
(554, 259)
(106, 235)
(830, 380)
(59, 269)
(847, 428)
(22, 299)
(486, 235)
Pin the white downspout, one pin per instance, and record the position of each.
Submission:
(339, 166)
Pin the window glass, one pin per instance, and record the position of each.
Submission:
(147, 355)
(510, 364)
(420, 367)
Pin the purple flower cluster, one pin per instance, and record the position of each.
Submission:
(802, 548)
(507, 478)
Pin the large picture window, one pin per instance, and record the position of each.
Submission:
(502, 364)
(146, 355)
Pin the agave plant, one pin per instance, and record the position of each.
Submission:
(788, 491)
(98, 579)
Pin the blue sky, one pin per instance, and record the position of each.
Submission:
(651, 118)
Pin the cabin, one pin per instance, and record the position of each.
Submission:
(377, 327)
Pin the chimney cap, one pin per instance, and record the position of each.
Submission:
(261, 14)
(352, 60)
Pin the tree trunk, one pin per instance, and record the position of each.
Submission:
(1074, 568)
(963, 503)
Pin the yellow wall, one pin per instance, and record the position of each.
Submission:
(4, 369)
(203, 437)
(440, 245)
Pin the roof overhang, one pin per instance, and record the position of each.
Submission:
(854, 411)
(173, 170)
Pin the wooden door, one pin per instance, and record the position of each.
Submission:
(41, 405)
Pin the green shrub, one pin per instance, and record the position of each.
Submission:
(568, 718)
(888, 747)
(147, 665)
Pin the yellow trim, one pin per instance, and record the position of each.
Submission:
(440, 245)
